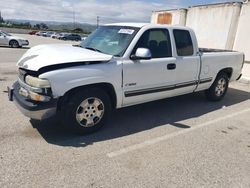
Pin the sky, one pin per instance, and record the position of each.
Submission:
(86, 11)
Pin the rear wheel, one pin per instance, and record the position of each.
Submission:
(14, 44)
(87, 110)
(219, 88)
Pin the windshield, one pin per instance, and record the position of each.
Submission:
(112, 40)
(7, 34)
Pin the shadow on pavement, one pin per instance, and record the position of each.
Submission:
(131, 120)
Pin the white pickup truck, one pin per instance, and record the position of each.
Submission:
(119, 65)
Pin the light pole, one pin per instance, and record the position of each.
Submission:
(97, 21)
(74, 17)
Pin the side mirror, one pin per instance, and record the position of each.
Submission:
(142, 53)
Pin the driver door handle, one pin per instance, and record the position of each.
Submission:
(171, 66)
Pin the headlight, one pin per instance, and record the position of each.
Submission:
(33, 96)
(37, 82)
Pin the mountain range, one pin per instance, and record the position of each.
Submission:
(54, 25)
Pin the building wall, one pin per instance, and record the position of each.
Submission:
(242, 40)
(172, 17)
(215, 25)
(221, 26)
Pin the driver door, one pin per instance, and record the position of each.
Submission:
(147, 80)
(3, 39)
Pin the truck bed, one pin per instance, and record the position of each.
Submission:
(207, 50)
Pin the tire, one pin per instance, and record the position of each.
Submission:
(14, 44)
(87, 110)
(219, 88)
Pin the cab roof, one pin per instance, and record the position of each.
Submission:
(140, 25)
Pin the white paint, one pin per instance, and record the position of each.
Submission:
(215, 25)
(178, 16)
(242, 40)
(52, 54)
(169, 136)
(63, 80)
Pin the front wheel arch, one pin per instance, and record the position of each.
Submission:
(107, 87)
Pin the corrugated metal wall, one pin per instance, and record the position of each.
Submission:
(171, 17)
(242, 40)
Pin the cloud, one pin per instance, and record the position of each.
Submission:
(85, 11)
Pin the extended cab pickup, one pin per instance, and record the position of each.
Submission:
(119, 65)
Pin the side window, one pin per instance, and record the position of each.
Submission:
(157, 41)
(183, 43)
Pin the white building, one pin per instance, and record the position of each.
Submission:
(242, 39)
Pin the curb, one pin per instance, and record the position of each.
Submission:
(245, 80)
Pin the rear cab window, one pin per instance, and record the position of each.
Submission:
(184, 43)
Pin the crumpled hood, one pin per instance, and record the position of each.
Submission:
(46, 55)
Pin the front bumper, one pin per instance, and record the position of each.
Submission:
(24, 42)
(31, 109)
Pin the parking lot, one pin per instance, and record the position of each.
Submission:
(184, 141)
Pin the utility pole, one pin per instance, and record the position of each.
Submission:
(97, 21)
(1, 19)
(74, 17)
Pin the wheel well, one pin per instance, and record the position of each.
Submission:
(104, 86)
(228, 71)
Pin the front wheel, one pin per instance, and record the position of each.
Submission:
(14, 44)
(87, 110)
(219, 88)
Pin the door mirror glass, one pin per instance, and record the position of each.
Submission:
(142, 53)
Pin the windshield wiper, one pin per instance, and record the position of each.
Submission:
(93, 49)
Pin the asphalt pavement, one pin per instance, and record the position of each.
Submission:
(184, 141)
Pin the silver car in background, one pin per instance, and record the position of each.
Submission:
(7, 39)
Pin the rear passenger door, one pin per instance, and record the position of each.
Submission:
(187, 62)
(146, 80)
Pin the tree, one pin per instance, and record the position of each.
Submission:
(78, 30)
(41, 26)
(27, 24)
(37, 26)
